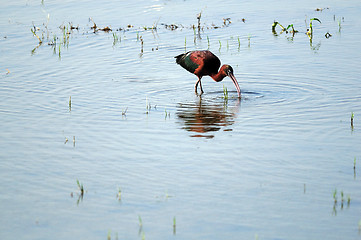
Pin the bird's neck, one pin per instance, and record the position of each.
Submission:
(218, 76)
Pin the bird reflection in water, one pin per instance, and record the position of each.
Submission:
(205, 117)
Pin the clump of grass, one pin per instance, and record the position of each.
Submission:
(124, 112)
(119, 194)
(342, 200)
(185, 44)
(274, 25)
(199, 15)
(69, 103)
(80, 186)
(174, 225)
(225, 92)
(310, 30)
(339, 25)
(116, 39)
(354, 163)
(167, 114)
(335, 196)
(141, 44)
(352, 116)
(109, 237)
(147, 105)
(140, 221)
(81, 192)
(33, 30)
(293, 31)
(354, 168)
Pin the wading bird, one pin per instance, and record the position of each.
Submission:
(203, 63)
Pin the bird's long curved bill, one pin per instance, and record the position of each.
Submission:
(235, 84)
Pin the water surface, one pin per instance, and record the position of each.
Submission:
(263, 167)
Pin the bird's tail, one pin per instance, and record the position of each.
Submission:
(179, 58)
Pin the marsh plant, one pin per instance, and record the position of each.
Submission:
(69, 103)
(342, 201)
(174, 225)
(119, 194)
(225, 92)
(274, 25)
(80, 186)
(310, 30)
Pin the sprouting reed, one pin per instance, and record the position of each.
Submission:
(310, 30)
(239, 44)
(69, 103)
(119, 194)
(225, 92)
(174, 226)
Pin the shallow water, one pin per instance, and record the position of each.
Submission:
(263, 167)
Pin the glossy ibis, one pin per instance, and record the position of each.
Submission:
(203, 63)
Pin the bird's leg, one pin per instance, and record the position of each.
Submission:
(200, 84)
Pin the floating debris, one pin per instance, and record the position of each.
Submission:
(321, 9)
(171, 27)
(226, 21)
(106, 29)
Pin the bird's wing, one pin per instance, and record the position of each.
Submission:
(188, 61)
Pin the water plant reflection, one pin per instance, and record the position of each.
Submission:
(206, 116)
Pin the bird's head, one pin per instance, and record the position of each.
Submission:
(228, 70)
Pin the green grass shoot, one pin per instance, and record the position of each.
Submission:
(354, 163)
(208, 42)
(109, 237)
(119, 195)
(69, 103)
(225, 92)
(335, 195)
(293, 29)
(147, 105)
(143, 236)
(34, 33)
(140, 221)
(174, 225)
(185, 44)
(80, 186)
(342, 199)
(274, 25)
(124, 112)
(310, 30)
